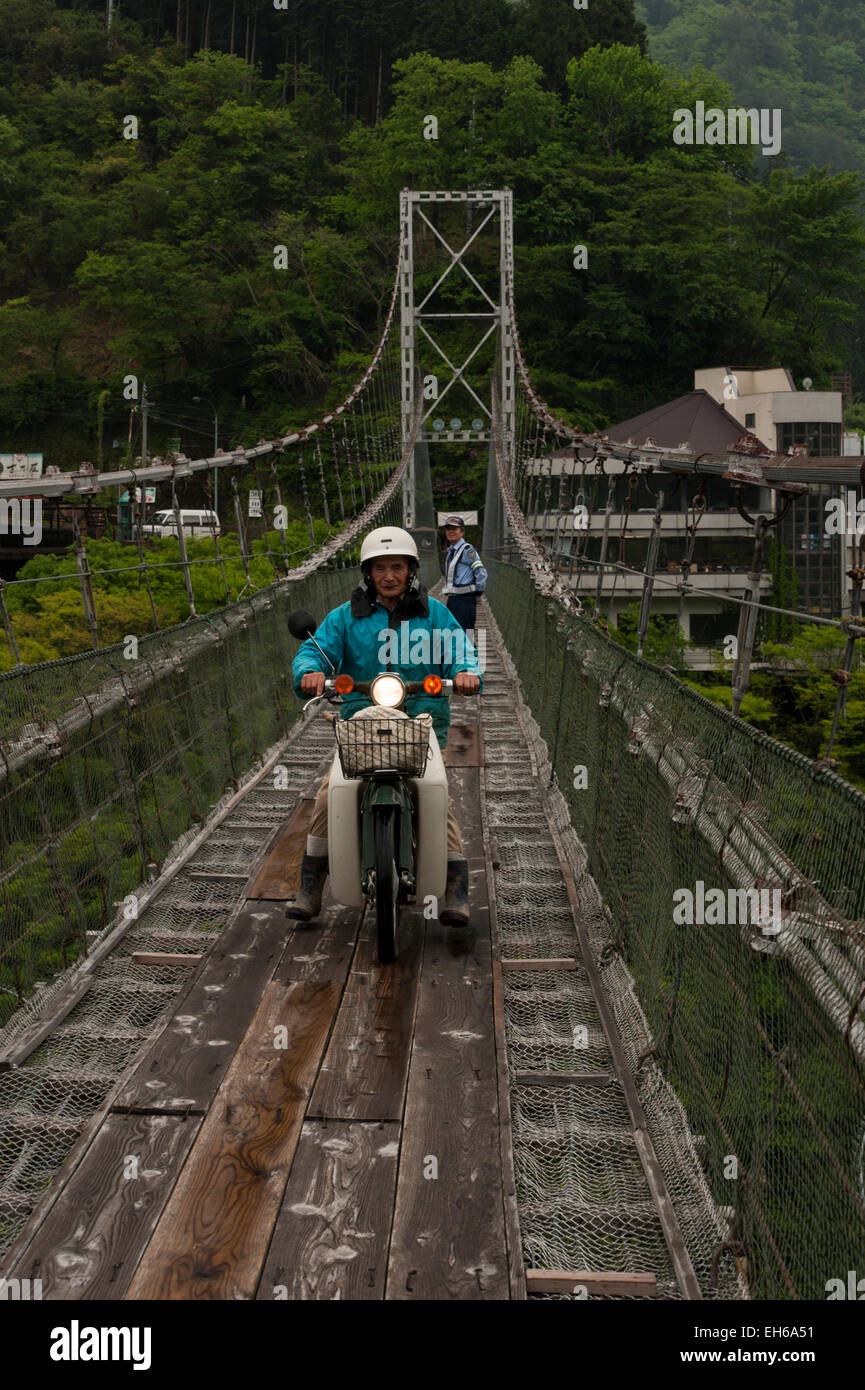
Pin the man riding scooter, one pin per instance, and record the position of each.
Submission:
(389, 619)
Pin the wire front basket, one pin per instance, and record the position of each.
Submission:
(383, 745)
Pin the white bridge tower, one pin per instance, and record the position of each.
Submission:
(419, 328)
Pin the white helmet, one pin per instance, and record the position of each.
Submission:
(388, 540)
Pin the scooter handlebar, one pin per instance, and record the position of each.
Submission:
(412, 688)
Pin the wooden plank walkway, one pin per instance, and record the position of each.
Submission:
(309, 1124)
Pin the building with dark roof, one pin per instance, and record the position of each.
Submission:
(695, 420)
(709, 419)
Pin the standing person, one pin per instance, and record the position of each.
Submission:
(465, 576)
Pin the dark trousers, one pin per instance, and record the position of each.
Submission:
(464, 609)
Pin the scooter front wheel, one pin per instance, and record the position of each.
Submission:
(386, 885)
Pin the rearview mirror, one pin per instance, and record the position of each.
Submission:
(301, 624)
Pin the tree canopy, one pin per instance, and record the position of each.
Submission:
(155, 254)
(148, 172)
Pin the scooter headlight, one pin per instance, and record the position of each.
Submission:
(388, 691)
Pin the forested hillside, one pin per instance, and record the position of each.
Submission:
(154, 254)
(804, 56)
(254, 127)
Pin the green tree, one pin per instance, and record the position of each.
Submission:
(665, 642)
(555, 31)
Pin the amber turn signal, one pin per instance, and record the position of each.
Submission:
(343, 685)
(433, 685)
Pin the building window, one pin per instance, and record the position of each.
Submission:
(818, 559)
(750, 420)
(710, 629)
(822, 438)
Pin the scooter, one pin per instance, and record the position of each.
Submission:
(387, 796)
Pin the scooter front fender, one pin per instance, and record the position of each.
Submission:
(345, 831)
(395, 796)
(384, 794)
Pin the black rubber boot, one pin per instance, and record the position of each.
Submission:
(455, 912)
(307, 904)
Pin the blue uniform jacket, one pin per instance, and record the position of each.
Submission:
(362, 639)
(464, 570)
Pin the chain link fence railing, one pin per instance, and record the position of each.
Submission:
(106, 762)
(756, 1018)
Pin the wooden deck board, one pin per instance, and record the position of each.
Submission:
(516, 1267)
(364, 1073)
(182, 1069)
(92, 1238)
(303, 1172)
(321, 950)
(214, 1232)
(333, 1231)
(448, 1238)
(464, 745)
(279, 875)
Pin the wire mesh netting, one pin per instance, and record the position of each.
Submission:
(120, 765)
(131, 790)
(584, 1201)
(747, 1041)
(755, 1024)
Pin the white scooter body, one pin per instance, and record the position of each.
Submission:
(344, 828)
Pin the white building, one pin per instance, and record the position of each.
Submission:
(725, 404)
(766, 403)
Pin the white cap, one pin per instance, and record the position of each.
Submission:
(388, 540)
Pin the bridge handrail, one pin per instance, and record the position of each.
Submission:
(130, 680)
(742, 842)
(724, 822)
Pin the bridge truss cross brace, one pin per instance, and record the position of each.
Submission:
(491, 316)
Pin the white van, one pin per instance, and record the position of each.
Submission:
(194, 523)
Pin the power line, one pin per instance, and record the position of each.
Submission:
(181, 425)
(708, 593)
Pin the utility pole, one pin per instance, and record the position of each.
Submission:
(199, 400)
(145, 406)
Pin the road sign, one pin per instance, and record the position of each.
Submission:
(255, 503)
(149, 495)
(20, 466)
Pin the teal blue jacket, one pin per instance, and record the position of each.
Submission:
(362, 639)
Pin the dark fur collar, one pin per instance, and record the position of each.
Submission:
(409, 606)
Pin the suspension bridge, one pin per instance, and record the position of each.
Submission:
(577, 1097)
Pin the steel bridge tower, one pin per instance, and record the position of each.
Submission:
(419, 322)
